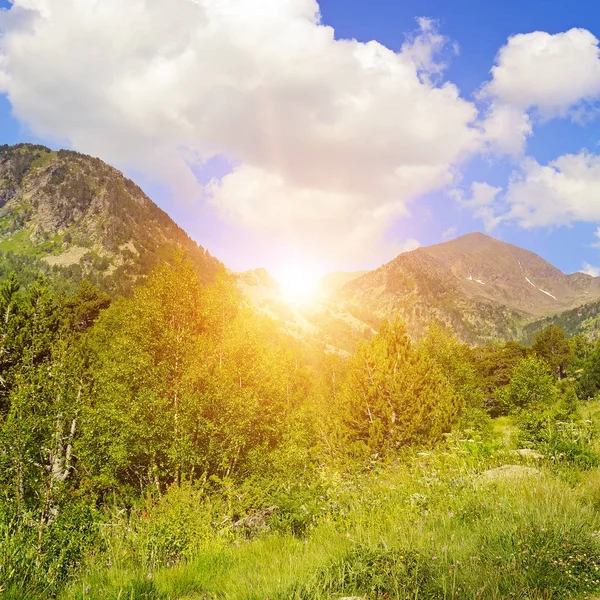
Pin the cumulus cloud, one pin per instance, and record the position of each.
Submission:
(507, 128)
(590, 270)
(330, 139)
(481, 201)
(564, 191)
(426, 48)
(551, 73)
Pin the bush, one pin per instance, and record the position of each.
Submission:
(562, 441)
(531, 385)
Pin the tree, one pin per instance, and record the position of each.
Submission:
(395, 396)
(495, 366)
(552, 346)
(531, 385)
(454, 361)
(589, 382)
(185, 385)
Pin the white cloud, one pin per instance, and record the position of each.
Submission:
(507, 128)
(552, 73)
(425, 48)
(563, 192)
(449, 233)
(482, 203)
(596, 243)
(331, 137)
(590, 270)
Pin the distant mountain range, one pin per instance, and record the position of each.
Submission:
(73, 216)
(484, 288)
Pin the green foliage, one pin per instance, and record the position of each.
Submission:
(454, 360)
(563, 441)
(429, 528)
(589, 381)
(193, 356)
(174, 444)
(395, 396)
(552, 346)
(495, 366)
(531, 386)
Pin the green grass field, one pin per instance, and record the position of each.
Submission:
(434, 525)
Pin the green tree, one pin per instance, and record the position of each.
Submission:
(589, 380)
(186, 385)
(552, 346)
(531, 386)
(394, 395)
(455, 362)
(495, 365)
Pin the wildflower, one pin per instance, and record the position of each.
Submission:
(87, 589)
(149, 576)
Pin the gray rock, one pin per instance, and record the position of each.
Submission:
(507, 472)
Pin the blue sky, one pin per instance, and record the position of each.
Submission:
(562, 228)
(481, 28)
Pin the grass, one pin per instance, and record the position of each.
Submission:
(20, 243)
(427, 528)
(44, 159)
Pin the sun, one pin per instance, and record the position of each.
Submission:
(298, 281)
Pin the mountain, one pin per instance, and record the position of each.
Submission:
(484, 288)
(332, 282)
(75, 216)
(515, 277)
(581, 320)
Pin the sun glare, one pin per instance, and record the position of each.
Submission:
(298, 281)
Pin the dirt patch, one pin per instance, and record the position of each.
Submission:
(71, 257)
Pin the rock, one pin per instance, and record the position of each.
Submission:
(257, 520)
(510, 472)
(527, 453)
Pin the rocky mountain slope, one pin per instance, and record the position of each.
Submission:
(482, 287)
(74, 216)
(501, 272)
(79, 217)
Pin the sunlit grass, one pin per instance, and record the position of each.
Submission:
(428, 528)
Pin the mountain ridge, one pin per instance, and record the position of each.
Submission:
(485, 289)
(76, 217)
(83, 218)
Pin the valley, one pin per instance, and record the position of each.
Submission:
(172, 430)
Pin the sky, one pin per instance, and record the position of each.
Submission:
(291, 134)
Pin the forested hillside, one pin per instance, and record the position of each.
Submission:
(175, 444)
(74, 217)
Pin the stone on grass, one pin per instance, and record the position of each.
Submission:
(510, 472)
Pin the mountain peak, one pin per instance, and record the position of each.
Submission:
(82, 217)
(481, 286)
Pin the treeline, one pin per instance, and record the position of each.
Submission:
(110, 407)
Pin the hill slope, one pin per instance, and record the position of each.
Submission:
(83, 218)
(482, 287)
